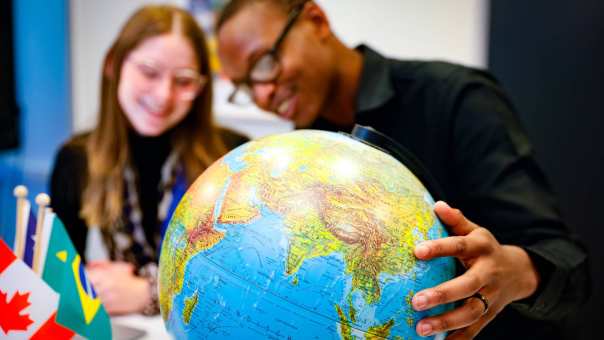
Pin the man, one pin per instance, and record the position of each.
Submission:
(522, 270)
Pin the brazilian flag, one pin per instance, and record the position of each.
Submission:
(79, 308)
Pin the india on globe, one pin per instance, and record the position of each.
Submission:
(302, 235)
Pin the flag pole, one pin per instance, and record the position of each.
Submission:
(20, 193)
(42, 200)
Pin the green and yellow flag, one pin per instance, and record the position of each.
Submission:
(79, 307)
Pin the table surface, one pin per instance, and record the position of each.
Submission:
(136, 326)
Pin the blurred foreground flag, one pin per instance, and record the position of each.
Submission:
(27, 305)
(24, 232)
(79, 307)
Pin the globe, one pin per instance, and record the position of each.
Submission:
(302, 235)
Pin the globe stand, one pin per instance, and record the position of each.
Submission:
(378, 140)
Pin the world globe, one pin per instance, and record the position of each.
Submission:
(302, 235)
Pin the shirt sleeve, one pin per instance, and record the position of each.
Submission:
(66, 185)
(502, 188)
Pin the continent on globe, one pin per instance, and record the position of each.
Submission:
(303, 235)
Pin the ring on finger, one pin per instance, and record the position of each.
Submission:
(485, 301)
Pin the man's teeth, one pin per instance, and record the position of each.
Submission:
(284, 106)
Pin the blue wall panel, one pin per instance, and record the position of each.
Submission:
(43, 95)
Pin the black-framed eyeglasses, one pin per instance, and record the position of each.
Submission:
(266, 68)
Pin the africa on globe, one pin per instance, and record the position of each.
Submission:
(302, 235)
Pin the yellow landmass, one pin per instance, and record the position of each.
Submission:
(379, 332)
(409, 316)
(236, 207)
(308, 239)
(352, 311)
(190, 304)
(346, 323)
(345, 329)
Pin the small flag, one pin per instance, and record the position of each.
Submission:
(29, 238)
(45, 246)
(27, 305)
(79, 307)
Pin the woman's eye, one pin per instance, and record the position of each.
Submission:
(149, 72)
(184, 81)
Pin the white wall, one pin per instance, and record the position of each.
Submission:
(454, 30)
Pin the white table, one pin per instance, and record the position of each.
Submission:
(152, 326)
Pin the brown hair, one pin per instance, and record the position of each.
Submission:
(196, 137)
(234, 6)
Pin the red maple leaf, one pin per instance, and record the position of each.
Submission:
(10, 311)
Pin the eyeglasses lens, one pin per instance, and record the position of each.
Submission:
(265, 69)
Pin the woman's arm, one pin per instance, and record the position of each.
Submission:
(67, 182)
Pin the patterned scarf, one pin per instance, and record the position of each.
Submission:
(128, 240)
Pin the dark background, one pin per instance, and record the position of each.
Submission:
(549, 56)
(8, 107)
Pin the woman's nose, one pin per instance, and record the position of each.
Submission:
(164, 90)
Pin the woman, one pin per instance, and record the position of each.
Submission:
(154, 137)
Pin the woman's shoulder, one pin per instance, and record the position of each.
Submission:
(73, 151)
(232, 138)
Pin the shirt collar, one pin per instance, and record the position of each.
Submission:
(375, 88)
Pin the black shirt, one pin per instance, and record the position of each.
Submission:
(460, 125)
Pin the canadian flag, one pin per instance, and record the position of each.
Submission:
(27, 304)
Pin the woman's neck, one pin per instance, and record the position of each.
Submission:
(148, 151)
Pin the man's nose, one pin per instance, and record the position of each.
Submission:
(263, 94)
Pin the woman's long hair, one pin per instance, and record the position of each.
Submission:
(196, 137)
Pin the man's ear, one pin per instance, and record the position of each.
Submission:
(315, 14)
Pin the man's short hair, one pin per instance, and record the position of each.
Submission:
(233, 7)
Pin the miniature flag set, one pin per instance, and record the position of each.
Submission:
(44, 291)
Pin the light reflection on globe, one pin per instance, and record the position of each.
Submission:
(302, 235)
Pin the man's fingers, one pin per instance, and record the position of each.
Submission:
(472, 330)
(454, 220)
(477, 243)
(450, 291)
(460, 317)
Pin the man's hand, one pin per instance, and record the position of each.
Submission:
(119, 289)
(500, 273)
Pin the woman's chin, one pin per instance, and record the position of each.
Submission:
(150, 130)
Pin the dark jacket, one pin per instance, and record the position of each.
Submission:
(458, 122)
